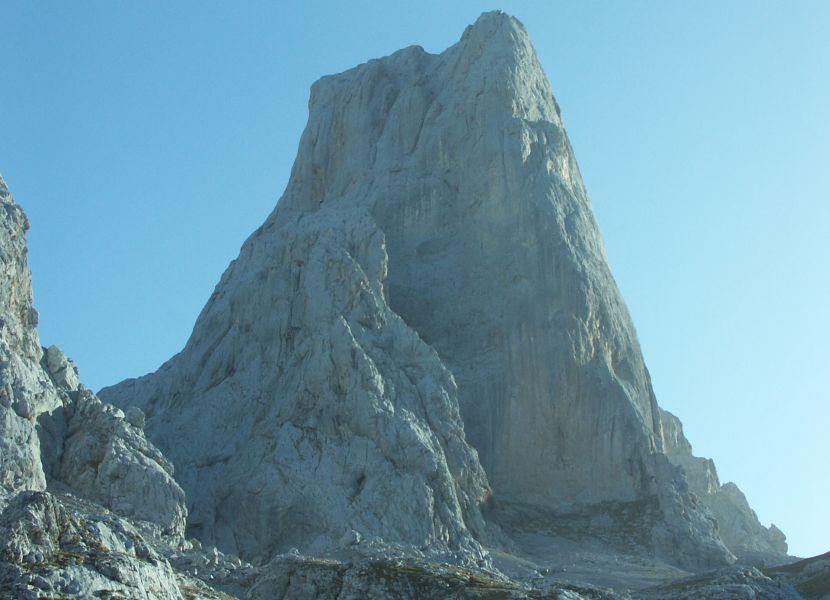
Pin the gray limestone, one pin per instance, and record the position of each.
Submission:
(305, 413)
(295, 577)
(494, 257)
(106, 459)
(135, 417)
(810, 577)
(63, 369)
(420, 355)
(496, 261)
(738, 525)
(54, 430)
(55, 434)
(56, 545)
(435, 204)
(25, 389)
(290, 577)
(51, 548)
(736, 583)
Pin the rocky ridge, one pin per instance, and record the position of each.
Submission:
(435, 204)
(54, 431)
(320, 396)
(738, 524)
(81, 488)
(322, 418)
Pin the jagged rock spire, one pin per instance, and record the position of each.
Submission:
(435, 222)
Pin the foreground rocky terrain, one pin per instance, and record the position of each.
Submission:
(418, 380)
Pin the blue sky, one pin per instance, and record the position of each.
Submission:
(147, 140)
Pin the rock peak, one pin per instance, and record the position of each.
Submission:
(431, 296)
(498, 32)
(494, 22)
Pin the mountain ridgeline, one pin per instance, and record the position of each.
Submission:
(425, 334)
(418, 380)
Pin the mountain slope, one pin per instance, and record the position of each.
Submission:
(434, 258)
(84, 497)
(305, 413)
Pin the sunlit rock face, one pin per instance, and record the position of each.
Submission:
(494, 256)
(52, 429)
(305, 413)
(426, 316)
(26, 390)
(57, 546)
(67, 460)
(496, 261)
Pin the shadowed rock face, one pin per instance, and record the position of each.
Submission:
(435, 222)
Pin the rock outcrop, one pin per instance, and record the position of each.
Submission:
(25, 389)
(66, 461)
(294, 577)
(92, 450)
(435, 214)
(738, 525)
(56, 431)
(736, 583)
(420, 354)
(51, 549)
(810, 577)
(303, 409)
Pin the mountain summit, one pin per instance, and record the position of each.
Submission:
(423, 345)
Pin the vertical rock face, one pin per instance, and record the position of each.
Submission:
(496, 261)
(56, 435)
(52, 429)
(495, 258)
(25, 389)
(435, 231)
(739, 526)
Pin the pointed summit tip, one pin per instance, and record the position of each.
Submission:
(496, 24)
(498, 36)
(494, 16)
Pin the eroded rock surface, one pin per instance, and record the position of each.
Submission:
(51, 548)
(736, 583)
(56, 435)
(303, 408)
(428, 306)
(54, 430)
(25, 389)
(107, 459)
(435, 198)
(738, 525)
(810, 577)
(297, 577)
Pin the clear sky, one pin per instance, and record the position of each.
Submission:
(146, 140)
